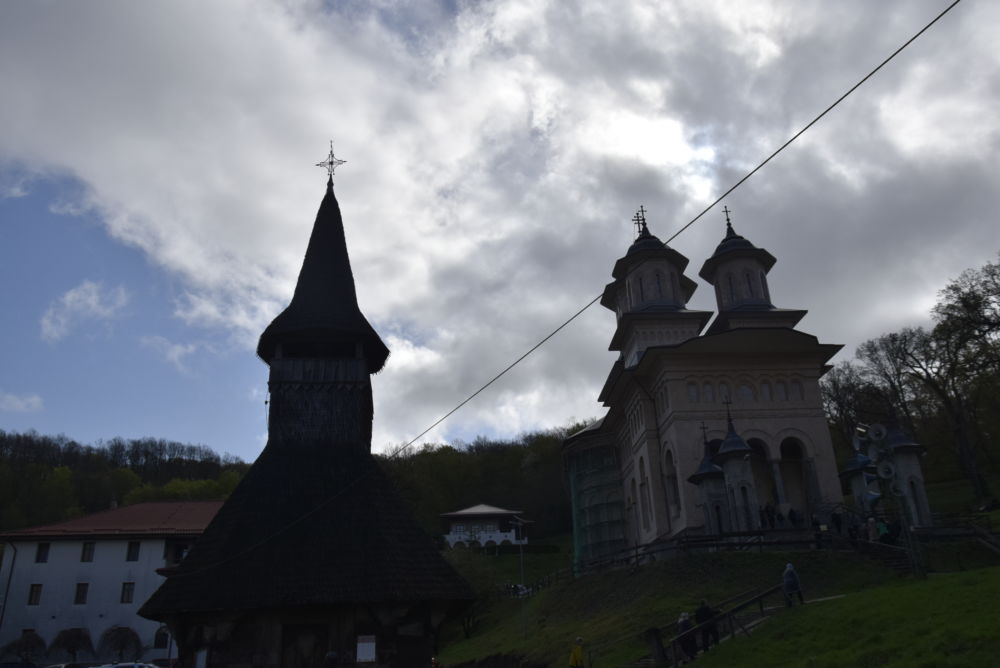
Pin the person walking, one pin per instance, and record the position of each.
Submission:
(576, 654)
(790, 585)
(705, 616)
(689, 646)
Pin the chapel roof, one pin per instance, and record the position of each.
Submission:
(481, 509)
(324, 307)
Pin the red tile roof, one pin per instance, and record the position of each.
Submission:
(157, 518)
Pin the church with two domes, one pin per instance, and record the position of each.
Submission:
(709, 425)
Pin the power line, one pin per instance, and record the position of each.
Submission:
(689, 223)
(535, 347)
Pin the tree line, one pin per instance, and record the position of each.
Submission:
(46, 479)
(525, 473)
(941, 383)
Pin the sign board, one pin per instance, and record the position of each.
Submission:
(366, 649)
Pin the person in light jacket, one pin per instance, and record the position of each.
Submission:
(791, 586)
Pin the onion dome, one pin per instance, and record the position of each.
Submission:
(732, 247)
(733, 444)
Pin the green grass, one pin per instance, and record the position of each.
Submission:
(612, 609)
(945, 620)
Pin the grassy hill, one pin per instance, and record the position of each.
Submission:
(946, 620)
(612, 609)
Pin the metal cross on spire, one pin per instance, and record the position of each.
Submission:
(331, 163)
(640, 220)
(725, 210)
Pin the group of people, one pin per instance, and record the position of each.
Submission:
(771, 517)
(705, 618)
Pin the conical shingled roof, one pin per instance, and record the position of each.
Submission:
(324, 308)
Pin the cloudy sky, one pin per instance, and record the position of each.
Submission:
(157, 189)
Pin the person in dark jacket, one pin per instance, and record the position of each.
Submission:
(689, 645)
(705, 616)
(791, 586)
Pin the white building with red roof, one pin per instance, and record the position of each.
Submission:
(93, 573)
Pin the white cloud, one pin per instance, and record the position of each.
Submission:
(87, 301)
(14, 403)
(495, 158)
(174, 353)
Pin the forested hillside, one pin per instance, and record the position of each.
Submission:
(525, 474)
(51, 478)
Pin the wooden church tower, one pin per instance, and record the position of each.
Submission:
(314, 552)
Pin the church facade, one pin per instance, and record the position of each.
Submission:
(710, 428)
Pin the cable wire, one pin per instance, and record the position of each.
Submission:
(398, 451)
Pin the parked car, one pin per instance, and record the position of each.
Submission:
(76, 664)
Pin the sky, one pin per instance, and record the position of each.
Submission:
(158, 187)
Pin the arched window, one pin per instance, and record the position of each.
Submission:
(724, 392)
(749, 284)
(765, 391)
(642, 292)
(692, 392)
(731, 280)
(744, 392)
(659, 285)
(644, 493)
(763, 287)
(796, 391)
(673, 490)
(781, 391)
(708, 392)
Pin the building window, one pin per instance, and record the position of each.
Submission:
(87, 551)
(161, 639)
(42, 553)
(692, 392)
(80, 597)
(128, 592)
(795, 391)
(765, 391)
(34, 594)
(724, 393)
(133, 551)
